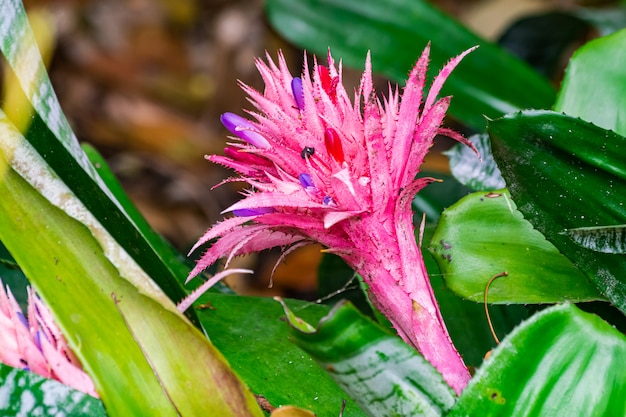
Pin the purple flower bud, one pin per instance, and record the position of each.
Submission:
(328, 201)
(296, 89)
(253, 211)
(306, 181)
(241, 127)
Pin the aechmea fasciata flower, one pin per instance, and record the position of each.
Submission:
(325, 169)
(36, 343)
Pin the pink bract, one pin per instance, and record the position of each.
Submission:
(36, 343)
(323, 168)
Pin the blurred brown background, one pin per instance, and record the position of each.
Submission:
(145, 81)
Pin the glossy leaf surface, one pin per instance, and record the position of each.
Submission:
(565, 173)
(383, 374)
(24, 393)
(594, 86)
(478, 174)
(251, 332)
(561, 362)
(484, 235)
(396, 32)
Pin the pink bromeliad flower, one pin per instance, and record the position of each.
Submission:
(37, 344)
(325, 169)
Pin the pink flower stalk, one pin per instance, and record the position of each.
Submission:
(36, 343)
(325, 169)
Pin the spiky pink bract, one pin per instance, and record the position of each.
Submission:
(341, 173)
(36, 343)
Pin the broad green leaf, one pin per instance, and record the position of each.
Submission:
(594, 86)
(251, 332)
(384, 375)
(484, 235)
(123, 337)
(478, 174)
(51, 136)
(561, 362)
(396, 32)
(23, 394)
(606, 239)
(565, 173)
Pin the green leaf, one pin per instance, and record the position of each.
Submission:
(595, 83)
(251, 332)
(478, 174)
(565, 173)
(396, 32)
(560, 362)
(27, 394)
(51, 136)
(124, 337)
(606, 239)
(384, 375)
(484, 235)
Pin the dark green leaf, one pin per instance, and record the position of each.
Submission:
(24, 393)
(595, 83)
(484, 235)
(565, 173)
(561, 362)
(384, 375)
(251, 332)
(605, 239)
(468, 169)
(490, 81)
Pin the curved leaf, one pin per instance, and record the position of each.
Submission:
(23, 393)
(595, 83)
(559, 362)
(473, 172)
(384, 375)
(396, 32)
(484, 235)
(565, 173)
(252, 334)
